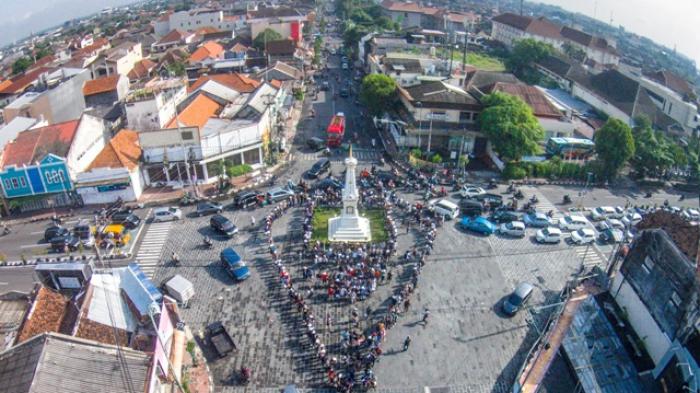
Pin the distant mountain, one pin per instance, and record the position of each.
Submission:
(20, 18)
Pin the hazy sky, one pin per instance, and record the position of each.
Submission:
(668, 22)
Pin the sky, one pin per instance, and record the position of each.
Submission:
(670, 22)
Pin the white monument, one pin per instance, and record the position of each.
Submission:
(349, 227)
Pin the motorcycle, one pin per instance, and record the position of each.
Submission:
(534, 200)
(245, 375)
(519, 194)
(648, 195)
(175, 259)
(511, 188)
(442, 192)
(207, 242)
(567, 199)
(6, 230)
(492, 184)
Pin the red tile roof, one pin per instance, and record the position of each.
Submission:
(238, 82)
(45, 315)
(173, 36)
(101, 85)
(207, 30)
(408, 7)
(97, 45)
(541, 106)
(209, 50)
(21, 82)
(32, 145)
(122, 151)
(142, 69)
(46, 60)
(672, 81)
(197, 113)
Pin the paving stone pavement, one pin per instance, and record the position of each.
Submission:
(463, 284)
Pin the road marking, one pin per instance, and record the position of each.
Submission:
(4, 283)
(33, 245)
(148, 256)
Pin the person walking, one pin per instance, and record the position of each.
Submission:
(406, 343)
(252, 221)
(426, 315)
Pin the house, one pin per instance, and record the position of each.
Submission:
(10, 130)
(115, 172)
(210, 130)
(13, 307)
(118, 60)
(554, 122)
(207, 53)
(281, 72)
(224, 86)
(285, 51)
(105, 90)
(84, 365)
(410, 14)
(439, 116)
(169, 58)
(55, 95)
(16, 86)
(456, 22)
(193, 20)
(153, 106)
(287, 21)
(45, 161)
(672, 95)
(408, 70)
(509, 28)
(174, 38)
(143, 70)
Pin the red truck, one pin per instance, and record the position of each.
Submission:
(336, 130)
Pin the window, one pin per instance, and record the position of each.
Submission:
(675, 298)
(187, 135)
(15, 183)
(465, 116)
(648, 264)
(61, 177)
(349, 210)
(8, 184)
(22, 181)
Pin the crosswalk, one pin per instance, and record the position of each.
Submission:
(590, 256)
(149, 256)
(361, 155)
(543, 205)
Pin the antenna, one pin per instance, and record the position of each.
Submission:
(611, 18)
(521, 7)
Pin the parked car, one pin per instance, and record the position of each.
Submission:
(503, 215)
(345, 67)
(517, 298)
(326, 183)
(631, 219)
(316, 144)
(471, 191)
(234, 265)
(492, 199)
(59, 243)
(171, 213)
(573, 222)
(611, 236)
(512, 228)
(325, 86)
(444, 207)
(691, 214)
(206, 208)
(118, 233)
(548, 235)
(223, 225)
(479, 225)
(618, 212)
(54, 231)
(129, 220)
(537, 220)
(582, 236)
(470, 207)
(279, 193)
(245, 198)
(601, 213)
(321, 166)
(614, 223)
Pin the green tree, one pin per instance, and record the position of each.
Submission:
(352, 35)
(524, 54)
(651, 154)
(511, 126)
(20, 65)
(266, 35)
(176, 69)
(614, 145)
(377, 93)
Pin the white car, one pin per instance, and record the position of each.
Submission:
(618, 213)
(471, 191)
(513, 228)
(615, 224)
(691, 214)
(166, 214)
(631, 219)
(573, 222)
(583, 236)
(601, 213)
(548, 235)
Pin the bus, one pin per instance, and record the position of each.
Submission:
(570, 148)
(336, 130)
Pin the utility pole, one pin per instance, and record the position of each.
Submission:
(464, 50)
(521, 7)
(430, 132)
(420, 122)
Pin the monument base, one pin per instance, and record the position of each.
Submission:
(349, 229)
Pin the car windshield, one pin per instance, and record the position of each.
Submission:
(514, 299)
(227, 224)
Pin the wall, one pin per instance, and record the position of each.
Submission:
(599, 103)
(283, 28)
(424, 114)
(93, 195)
(505, 34)
(90, 138)
(673, 104)
(126, 63)
(102, 99)
(66, 101)
(154, 113)
(183, 20)
(556, 127)
(407, 19)
(655, 341)
(49, 177)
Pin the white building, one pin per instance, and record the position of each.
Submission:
(288, 22)
(509, 28)
(193, 20)
(153, 106)
(118, 60)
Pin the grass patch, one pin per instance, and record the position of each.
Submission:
(483, 62)
(377, 223)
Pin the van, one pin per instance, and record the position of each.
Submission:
(117, 232)
(446, 208)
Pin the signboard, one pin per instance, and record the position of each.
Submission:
(113, 187)
(69, 282)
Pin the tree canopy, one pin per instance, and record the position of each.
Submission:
(377, 93)
(524, 54)
(266, 35)
(614, 145)
(20, 65)
(511, 126)
(654, 152)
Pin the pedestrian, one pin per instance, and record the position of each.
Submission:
(426, 314)
(406, 304)
(406, 343)
(252, 221)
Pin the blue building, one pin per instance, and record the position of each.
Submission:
(50, 175)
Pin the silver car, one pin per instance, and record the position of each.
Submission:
(279, 193)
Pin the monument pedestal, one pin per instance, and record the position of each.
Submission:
(351, 229)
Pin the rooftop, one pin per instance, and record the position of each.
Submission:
(536, 99)
(101, 85)
(196, 113)
(141, 69)
(122, 151)
(235, 81)
(281, 47)
(273, 12)
(32, 145)
(51, 360)
(45, 315)
(439, 95)
(208, 50)
(408, 7)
